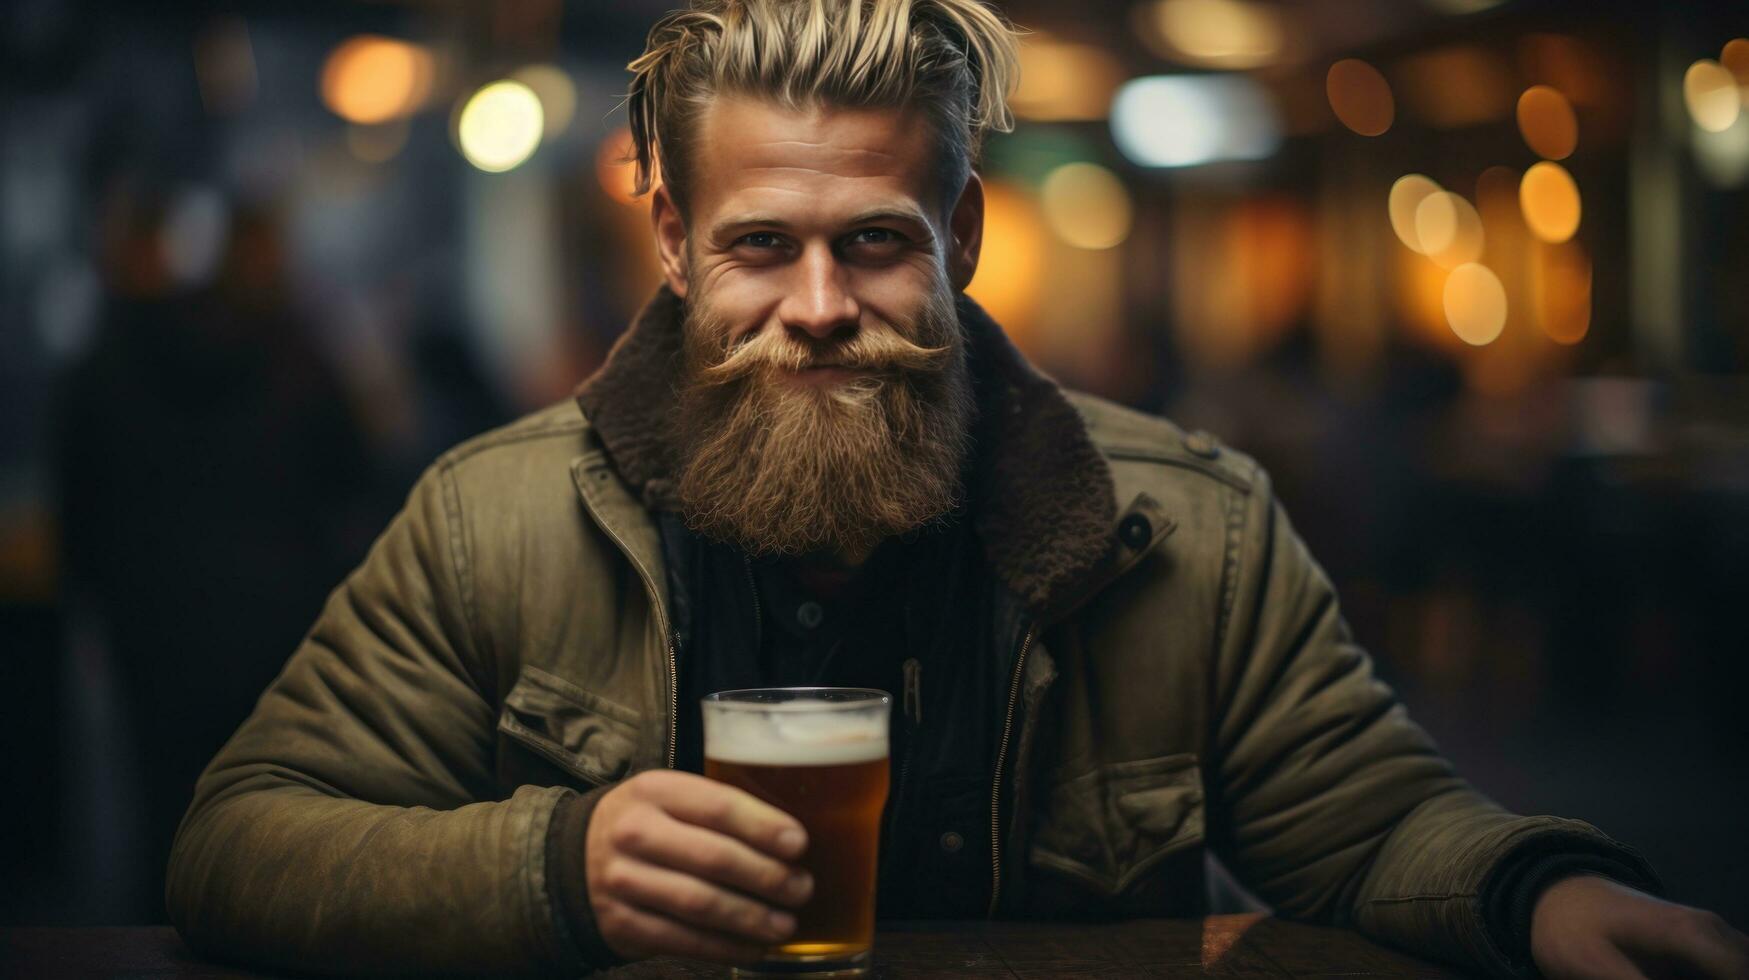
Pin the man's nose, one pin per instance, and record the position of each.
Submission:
(819, 305)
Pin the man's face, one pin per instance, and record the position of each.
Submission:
(825, 404)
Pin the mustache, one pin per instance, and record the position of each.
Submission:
(877, 346)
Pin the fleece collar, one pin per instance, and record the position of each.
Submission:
(1041, 499)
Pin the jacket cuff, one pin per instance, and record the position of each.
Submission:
(568, 880)
(1509, 896)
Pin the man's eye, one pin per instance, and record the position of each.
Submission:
(875, 236)
(759, 239)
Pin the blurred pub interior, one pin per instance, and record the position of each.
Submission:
(1470, 277)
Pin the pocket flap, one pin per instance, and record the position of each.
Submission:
(580, 732)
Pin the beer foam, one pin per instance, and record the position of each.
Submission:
(791, 738)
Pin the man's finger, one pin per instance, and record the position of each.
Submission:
(649, 933)
(696, 902)
(738, 813)
(715, 857)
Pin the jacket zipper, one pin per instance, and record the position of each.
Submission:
(996, 781)
(673, 697)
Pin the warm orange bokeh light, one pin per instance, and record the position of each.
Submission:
(1360, 97)
(1714, 100)
(1561, 291)
(1475, 304)
(1448, 229)
(1550, 202)
(1406, 197)
(1060, 81)
(372, 79)
(1011, 267)
(1546, 119)
(614, 167)
(1735, 58)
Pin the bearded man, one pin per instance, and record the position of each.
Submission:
(812, 461)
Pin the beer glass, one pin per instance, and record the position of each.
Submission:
(819, 754)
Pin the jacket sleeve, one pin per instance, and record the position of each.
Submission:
(350, 825)
(1325, 799)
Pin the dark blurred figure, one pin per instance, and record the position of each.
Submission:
(214, 484)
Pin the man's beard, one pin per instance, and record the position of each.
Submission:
(779, 466)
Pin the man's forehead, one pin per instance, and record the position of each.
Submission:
(752, 154)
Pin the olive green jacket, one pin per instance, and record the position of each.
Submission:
(1180, 680)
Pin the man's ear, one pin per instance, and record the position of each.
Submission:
(966, 226)
(670, 231)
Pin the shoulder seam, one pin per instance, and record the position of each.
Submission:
(495, 440)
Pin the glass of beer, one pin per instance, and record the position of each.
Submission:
(819, 754)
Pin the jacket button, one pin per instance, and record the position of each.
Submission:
(951, 842)
(809, 614)
(1202, 444)
(1135, 531)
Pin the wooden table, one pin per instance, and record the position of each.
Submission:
(1218, 946)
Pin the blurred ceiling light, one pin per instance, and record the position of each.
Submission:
(1406, 197)
(500, 126)
(372, 79)
(1546, 119)
(224, 66)
(1475, 304)
(1061, 81)
(1449, 229)
(558, 95)
(1185, 120)
(1360, 96)
(1213, 33)
(379, 143)
(1457, 86)
(1723, 157)
(1461, 7)
(1561, 291)
(1086, 205)
(1712, 95)
(1550, 202)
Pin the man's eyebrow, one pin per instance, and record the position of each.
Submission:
(721, 229)
(890, 214)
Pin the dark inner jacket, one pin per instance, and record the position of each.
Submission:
(413, 791)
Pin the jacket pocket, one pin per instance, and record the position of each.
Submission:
(583, 734)
(1115, 830)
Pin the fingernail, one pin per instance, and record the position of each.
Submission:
(800, 885)
(792, 839)
(781, 924)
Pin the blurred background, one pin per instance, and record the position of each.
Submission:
(1470, 277)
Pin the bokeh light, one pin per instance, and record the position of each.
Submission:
(1063, 82)
(500, 126)
(1561, 291)
(1086, 205)
(557, 94)
(1735, 59)
(1185, 120)
(372, 79)
(1448, 229)
(1406, 197)
(614, 167)
(1011, 267)
(1550, 202)
(1360, 97)
(1713, 98)
(1546, 120)
(1475, 304)
(1214, 33)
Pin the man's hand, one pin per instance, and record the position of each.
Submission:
(681, 865)
(1591, 928)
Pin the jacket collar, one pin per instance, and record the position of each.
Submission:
(1041, 499)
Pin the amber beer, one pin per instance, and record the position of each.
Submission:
(819, 754)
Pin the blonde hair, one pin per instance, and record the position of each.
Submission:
(954, 59)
